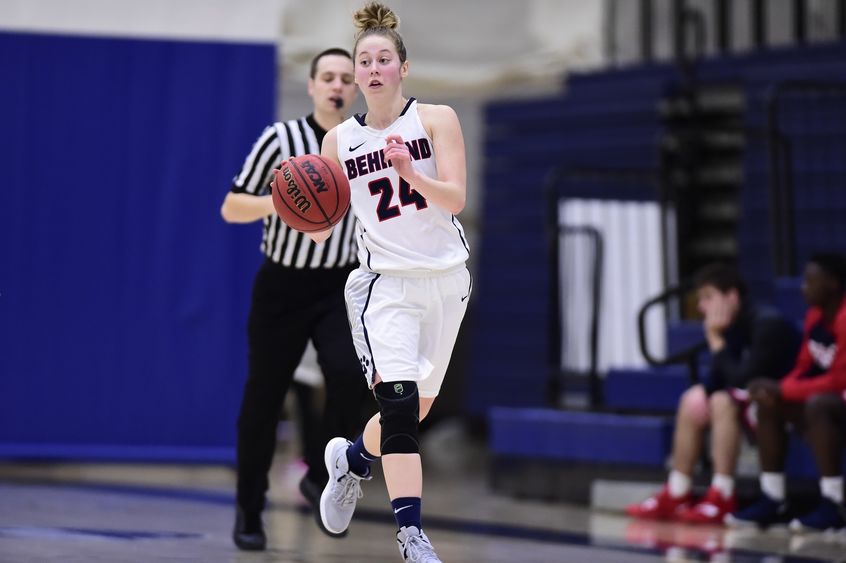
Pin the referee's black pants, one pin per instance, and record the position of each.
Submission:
(289, 307)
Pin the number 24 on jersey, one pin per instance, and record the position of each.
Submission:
(384, 188)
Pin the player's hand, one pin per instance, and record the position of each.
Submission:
(765, 392)
(396, 153)
(319, 237)
(718, 317)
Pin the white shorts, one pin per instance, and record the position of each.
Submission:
(404, 326)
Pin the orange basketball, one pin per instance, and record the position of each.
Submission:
(310, 193)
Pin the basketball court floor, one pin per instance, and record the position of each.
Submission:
(132, 513)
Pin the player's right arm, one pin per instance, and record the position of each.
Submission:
(329, 150)
(249, 199)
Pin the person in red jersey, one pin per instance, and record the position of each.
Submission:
(810, 399)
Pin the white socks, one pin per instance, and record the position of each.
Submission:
(724, 484)
(832, 488)
(678, 484)
(772, 485)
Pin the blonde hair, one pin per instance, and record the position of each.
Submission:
(377, 19)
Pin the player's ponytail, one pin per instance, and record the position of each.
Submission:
(377, 19)
(375, 14)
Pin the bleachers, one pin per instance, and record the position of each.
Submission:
(580, 436)
(610, 119)
(683, 334)
(525, 141)
(788, 298)
(816, 170)
(645, 389)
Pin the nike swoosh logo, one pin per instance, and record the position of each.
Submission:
(401, 509)
(465, 297)
(356, 147)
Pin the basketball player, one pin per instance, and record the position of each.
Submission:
(746, 341)
(297, 298)
(406, 166)
(810, 398)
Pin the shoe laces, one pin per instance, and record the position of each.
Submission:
(417, 549)
(348, 490)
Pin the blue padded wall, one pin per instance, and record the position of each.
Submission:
(123, 295)
(580, 436)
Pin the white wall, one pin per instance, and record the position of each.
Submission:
(218, 20)
(461, 47)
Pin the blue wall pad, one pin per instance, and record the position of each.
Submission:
(650, 389)
(123, 294)
(580, 436)
(789, 300)
(683, 334)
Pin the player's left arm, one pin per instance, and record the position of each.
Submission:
(449, 190)
(832, 381)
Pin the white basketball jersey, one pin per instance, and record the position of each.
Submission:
(397, 228)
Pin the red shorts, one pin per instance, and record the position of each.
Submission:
(747, 409)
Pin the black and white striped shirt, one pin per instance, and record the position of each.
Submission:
(281, 243)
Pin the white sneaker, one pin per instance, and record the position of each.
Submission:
(415, 546)
(337, 503)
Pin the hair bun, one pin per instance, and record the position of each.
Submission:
(375, 14)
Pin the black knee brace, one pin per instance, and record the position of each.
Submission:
(399, 406)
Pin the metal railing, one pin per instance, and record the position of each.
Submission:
(688, 18)
(558, 376)
(688, 356)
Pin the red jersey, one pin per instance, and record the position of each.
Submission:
(821, 365)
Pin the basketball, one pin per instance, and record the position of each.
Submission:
(310, 193)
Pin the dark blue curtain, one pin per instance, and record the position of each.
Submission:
(123, 294)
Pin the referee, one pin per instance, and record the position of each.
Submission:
(297, 297)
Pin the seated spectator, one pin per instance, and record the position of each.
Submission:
(810, 399)
(746, 342)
